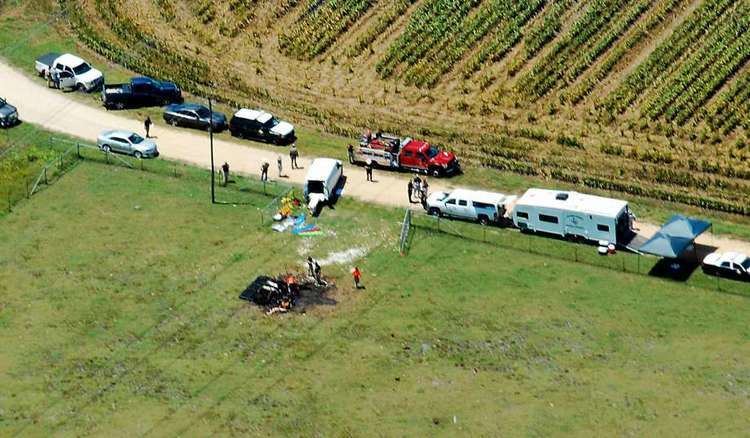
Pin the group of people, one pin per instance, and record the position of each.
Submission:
(313, 269)
(418, 188)
(293, 155)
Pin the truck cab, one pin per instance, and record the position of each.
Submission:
(73, 72)
(420, 155)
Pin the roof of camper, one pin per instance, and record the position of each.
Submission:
(480, 196)
(588, 204)
(321, 169)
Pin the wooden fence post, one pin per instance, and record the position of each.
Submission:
(45, 176)
(78, 150)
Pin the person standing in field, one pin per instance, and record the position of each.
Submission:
(264, 171)
(225, 173)
(368, 170)
(350, 153)
(410, 190)
(279, 164)
(357, 275)
(147, 124)
(293, 154)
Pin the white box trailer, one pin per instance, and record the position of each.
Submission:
(321, 182)
(573, 215)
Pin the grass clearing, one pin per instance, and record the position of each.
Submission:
(119, 315)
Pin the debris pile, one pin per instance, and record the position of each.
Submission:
(285, 293)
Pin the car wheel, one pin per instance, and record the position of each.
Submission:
(484, 220)
(106, 148)
(173, 122)
(434, 211)
(138, 154)
(119, 106)
(435, 172)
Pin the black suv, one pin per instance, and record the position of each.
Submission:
(262, 126)
(8, 114)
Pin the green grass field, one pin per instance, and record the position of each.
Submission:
(119, 316)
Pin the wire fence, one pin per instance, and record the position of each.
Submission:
(405, 228)
(686, 270)
(240, 189)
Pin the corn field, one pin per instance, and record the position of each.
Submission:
(648, 97)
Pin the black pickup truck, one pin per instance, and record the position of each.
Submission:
(140, 92)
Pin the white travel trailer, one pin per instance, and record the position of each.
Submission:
(573, 215)
(321, 182)
(474, 205)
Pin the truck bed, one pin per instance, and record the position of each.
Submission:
(45, 61)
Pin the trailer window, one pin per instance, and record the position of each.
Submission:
(549, 219)
(522, 215)
(604, 228)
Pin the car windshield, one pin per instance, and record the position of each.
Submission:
(135, 139)
(81, 69)
(203, 112)
(432, 152)
(443, 196)
(746, 264)
(272, 122)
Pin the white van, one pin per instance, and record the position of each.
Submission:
(321, 182)
(573, 215)
(473, 205)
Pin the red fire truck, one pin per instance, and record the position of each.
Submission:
(391, 152)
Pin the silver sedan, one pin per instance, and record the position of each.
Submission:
(127, 142)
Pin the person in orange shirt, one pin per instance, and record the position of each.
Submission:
(357, 274)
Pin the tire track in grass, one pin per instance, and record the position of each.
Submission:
(143, 336)
(374, 301)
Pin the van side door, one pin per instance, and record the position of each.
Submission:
(451, 207)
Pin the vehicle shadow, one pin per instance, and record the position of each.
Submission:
(675, 269)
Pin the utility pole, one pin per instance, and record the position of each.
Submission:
(211, 140)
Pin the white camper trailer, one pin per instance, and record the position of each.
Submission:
(573, 215)
(321, 182)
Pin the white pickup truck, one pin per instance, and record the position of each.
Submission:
(472, 205)
(73, 72)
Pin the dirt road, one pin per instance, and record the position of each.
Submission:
(56, 111)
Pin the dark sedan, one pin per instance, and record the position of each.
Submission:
(193, 115)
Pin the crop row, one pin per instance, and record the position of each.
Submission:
(541, 33)
(430, 24)
(706, 86)
(494, 14)
(181, 69)
(640, 33)
(667, 55)
(613, 33)
(695, 68)
(393, 11)
(166, 9)
(732, 107)
(243, 13)
(661, 180)
(204, 10)
(318, 29)
(505, 39)
(550, 69)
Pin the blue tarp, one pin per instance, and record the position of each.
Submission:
(675, 236)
